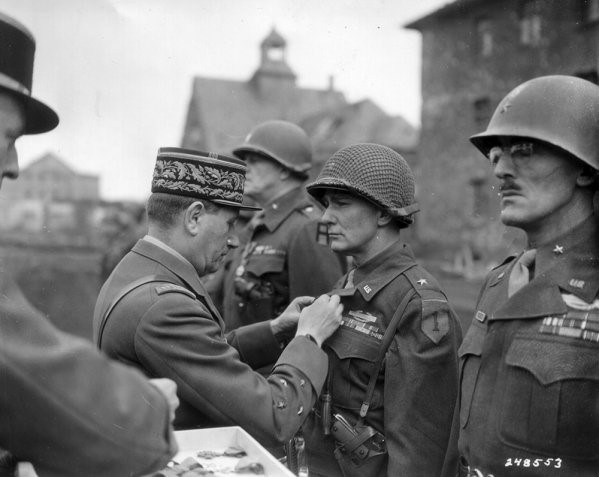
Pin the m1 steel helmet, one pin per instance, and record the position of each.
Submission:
(560, 110)
(373, 172)
(281, 141)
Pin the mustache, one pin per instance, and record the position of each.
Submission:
(509, 186)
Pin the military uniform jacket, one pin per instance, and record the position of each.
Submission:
(69, 410)
(416, 391)
(530, 367)
(281, 260)
(173, 330)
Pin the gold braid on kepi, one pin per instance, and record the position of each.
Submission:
(373, 172)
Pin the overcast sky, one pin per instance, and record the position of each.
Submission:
(119, 72)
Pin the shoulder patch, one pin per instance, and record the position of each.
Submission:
(172, 288)
(435, 313)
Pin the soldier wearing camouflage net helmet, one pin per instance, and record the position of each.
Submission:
(530, 381)
(393, 419)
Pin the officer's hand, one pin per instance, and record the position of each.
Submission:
(169, 389)
(321, 318)
(284, 324)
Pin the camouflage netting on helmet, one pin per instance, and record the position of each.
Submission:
(374, 172)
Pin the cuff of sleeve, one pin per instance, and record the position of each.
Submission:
(306, 356)
(257, 345)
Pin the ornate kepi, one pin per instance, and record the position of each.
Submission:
(202, 175)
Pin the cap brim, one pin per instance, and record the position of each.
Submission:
(235, 205)
(39, 118)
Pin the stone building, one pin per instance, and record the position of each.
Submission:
(222, 111)
(473, 53)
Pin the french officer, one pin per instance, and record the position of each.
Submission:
(389, 400)
(154, 313)
(529, 362)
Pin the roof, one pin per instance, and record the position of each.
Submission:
(222, 112)
(363, 121)
(446, 10)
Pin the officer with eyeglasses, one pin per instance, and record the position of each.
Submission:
(529, 364)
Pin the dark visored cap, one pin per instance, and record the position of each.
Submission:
(17, 51)
(202, 175)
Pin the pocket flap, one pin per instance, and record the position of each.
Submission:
(258, 265)
(550, 360)
(349, 343)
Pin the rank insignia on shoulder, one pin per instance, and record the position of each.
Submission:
(172, 288)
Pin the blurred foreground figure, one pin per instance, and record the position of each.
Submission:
(389, 401)
(64, 407)
(154, 313)
(530, 360)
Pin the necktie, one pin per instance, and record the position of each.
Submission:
(520, 275)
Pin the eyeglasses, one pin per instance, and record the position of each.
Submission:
(518, 152)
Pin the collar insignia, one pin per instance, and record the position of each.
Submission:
(576, 283)
(367, 289)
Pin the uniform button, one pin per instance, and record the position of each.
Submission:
(300, 410)
(281, 405)
(302, 383)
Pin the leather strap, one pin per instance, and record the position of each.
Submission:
(387, 338)
(124, 292)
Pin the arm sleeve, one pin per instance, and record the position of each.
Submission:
(177, 338)
(420, 392)
(69, 410)
(256, 344)
(313, 267)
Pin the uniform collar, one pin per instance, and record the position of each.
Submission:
(158, 251)
(569, 264)
(372, 276)
(572, 260)
(276, 211)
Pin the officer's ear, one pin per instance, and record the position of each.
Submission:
(193, 217)
(384, 218)
(587, 177)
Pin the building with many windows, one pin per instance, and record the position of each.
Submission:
(473, 53)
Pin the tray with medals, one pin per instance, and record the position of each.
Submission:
(221, 452)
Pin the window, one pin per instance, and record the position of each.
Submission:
(480, 196)
(484, 37)
(590, 10)
(530, 23)
(482, 113)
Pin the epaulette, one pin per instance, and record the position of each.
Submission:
(172, 288)
(422, 281)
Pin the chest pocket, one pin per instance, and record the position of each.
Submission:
(470, 357)
(553, 399)
(353, 349)
(261, 264)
